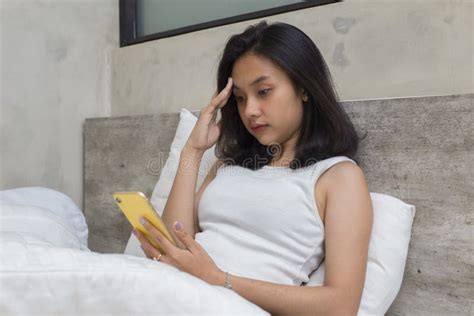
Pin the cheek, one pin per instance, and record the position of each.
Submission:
(292, 114)
(293, 122)
(299, 114)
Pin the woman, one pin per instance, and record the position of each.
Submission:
(285, 193)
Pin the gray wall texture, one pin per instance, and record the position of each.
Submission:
(55, 72)
(374, 49)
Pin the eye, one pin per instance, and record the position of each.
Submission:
(263, 92)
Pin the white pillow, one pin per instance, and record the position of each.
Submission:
(387, 255)
(36, 226)
(187, 120)
(388, 249)
(55, 202)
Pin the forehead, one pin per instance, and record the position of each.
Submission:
(252, 69)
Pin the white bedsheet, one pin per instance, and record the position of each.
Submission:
(45, 270)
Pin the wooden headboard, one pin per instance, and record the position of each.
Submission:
(419, 150)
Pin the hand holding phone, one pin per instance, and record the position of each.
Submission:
(135, 205)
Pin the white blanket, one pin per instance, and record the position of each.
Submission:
(46, 270)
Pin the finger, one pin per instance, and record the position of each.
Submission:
(223, 95)
(168, 248)
(226, 89)
(187, 240)
(145, 244)
(154, 253)
(214, 107)
(145, 252)
(218, 100)
(149, 249)
(216, 95)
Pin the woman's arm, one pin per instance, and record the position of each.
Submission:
(206, 131)
(278, 299)
(349, 219)
(348, 226)
(180, 203)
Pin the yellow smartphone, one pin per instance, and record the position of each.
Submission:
(135, 205)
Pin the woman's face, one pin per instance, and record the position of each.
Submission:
(265, 95)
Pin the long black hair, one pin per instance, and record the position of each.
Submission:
(326, 129)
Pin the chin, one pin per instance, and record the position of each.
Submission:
(265, 143)
(264, 140)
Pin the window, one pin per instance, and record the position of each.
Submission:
(146, 20)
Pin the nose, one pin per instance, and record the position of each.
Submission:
(252, 108)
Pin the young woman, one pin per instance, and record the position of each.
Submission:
(286, 191)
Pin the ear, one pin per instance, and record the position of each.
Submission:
(304, 95)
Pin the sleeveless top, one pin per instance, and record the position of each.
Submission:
(264, 224)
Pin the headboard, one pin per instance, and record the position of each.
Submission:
(417, 149)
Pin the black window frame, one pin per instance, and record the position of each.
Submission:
(128, 20)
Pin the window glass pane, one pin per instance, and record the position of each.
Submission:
(155, 16)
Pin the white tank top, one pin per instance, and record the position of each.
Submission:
(264, 224)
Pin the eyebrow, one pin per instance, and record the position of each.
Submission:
(259, 79)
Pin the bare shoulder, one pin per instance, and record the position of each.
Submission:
(344, 171)
(342, 174)
(345, 178)
(347, 193)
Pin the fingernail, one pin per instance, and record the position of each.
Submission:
(177, 225)
(142, 221)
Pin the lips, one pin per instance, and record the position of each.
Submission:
(258, 127)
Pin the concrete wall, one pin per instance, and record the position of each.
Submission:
(375, 49)
(55, 72)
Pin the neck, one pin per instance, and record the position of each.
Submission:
(283, 160)
(286, 152)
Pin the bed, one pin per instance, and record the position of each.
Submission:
(419, 150)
